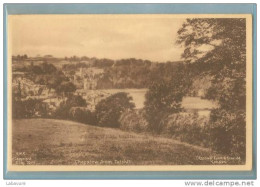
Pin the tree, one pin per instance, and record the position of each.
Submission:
(164, 97)
(84, 58)
(63, 111)
(227, 132)
(28, 108)
(65, 88)
(48, 68)
(109, 110)
(49, 75)
(217, 47)
(76, 100)
(225, 57)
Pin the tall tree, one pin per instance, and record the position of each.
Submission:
(217, 47)
(164, 97)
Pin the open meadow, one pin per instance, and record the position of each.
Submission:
(60, 142)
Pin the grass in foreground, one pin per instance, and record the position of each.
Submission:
(60, 142)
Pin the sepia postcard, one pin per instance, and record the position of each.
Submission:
(130, 92)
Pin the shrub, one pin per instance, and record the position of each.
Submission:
(109, 110)
(228, 132)
(132, 120)
(82, 115)
(190, 128)
(63, 111)
(29, 108)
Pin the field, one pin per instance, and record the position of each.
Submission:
(60, 142)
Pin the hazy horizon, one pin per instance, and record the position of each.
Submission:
(149, 37)
(90, 57)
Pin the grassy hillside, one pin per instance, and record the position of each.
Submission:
(59, 142)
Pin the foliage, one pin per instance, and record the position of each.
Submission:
(74, 67)
(65, 87)
(164, 97)
(190, 128)
(29, 108)
(20, 57)
(225, 61)
(82, 115)
(132, 120)
(63, 111)
(47, 74)
(125, 73)
(227, 132)
(101, 63)
(109, 110)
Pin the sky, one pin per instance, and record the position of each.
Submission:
(150, 37)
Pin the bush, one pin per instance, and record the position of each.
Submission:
(109, 110)
(190, 128)
(228, 132)
(82, 115)
(133, 120)
(29, 108)
(63, 111)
